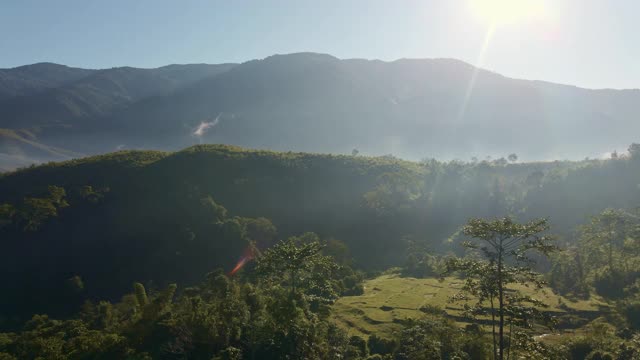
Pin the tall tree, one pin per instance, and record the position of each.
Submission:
(502, 250)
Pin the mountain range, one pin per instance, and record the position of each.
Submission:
(412, 108)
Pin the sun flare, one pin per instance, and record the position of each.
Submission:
(504, 12)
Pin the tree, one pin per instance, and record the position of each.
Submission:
(603, 238)
(567, 274)
(502, 250)
(396, 191)
(35, 211)
(610, 247)
(500, 162)
(260, 231)
(298, 263)
(213, 210)
(339, 251)
(432, 338)
(512, 158)
(7, 213)
(420, 261)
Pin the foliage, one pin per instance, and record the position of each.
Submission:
(158, 218)
(434, 338)
(220, 318)
(420, 262)
(380, 345)
(609, 245)
(146, 216)
(503, 249)
(299, 264)
(33, 212)
(630, 309)
(568, 275)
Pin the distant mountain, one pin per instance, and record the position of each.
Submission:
(315, 102)
(30, 79)
(99, 94)
(57, 115)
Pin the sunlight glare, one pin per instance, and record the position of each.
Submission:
(505, 12)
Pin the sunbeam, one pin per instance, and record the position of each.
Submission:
(474, 75)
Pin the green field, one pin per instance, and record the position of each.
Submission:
(388, 300)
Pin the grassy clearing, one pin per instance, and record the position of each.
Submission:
(388, 300)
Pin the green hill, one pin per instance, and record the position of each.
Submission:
(164, 217)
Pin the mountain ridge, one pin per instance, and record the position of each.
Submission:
(412, 108)
(448, 59)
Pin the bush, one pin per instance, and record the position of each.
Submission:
(382, 346)
(375, 357)
(432, 309)
(631, 313)
(580, 348)
(359, 344)
(352, 285)
(610, 284)
(231, 353)
(430, 338)
(599, 355)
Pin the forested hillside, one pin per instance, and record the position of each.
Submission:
(296, 235)
(165, 217)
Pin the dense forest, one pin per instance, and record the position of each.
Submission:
(220, 252)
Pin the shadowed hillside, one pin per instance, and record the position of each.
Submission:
(151, 215)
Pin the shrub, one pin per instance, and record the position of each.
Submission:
(382, 346)
(631, 312)
(580, 348)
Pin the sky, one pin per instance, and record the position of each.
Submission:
(587, 43)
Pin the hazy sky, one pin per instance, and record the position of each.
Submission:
(589, 43)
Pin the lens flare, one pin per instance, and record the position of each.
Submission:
(244, 259)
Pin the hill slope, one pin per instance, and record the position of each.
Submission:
(389, 300)
(170, 217)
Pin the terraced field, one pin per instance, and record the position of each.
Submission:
(389, 300)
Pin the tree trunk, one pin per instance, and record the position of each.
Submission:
(500, 304)
(493, 328)
(510, 334)
(580, 268)
(611, 255)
